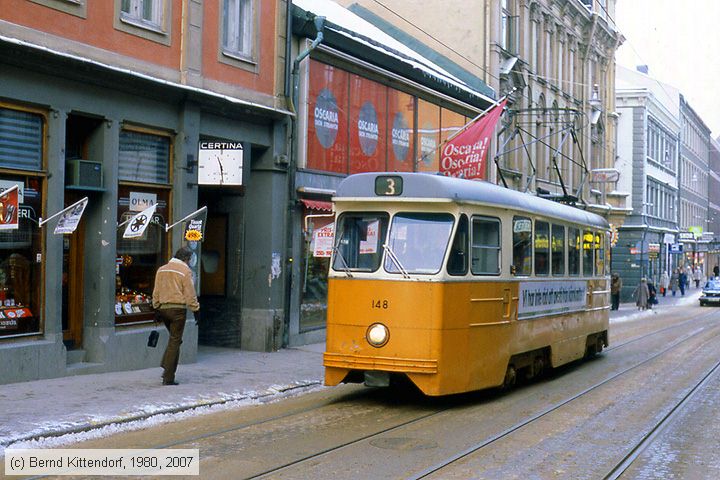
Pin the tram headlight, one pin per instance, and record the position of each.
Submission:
(377, 335)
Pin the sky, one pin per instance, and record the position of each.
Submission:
(677, 40)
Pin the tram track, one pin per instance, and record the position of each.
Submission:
(418, 419)
(508, 431)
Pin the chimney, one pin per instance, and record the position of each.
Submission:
(643, 69)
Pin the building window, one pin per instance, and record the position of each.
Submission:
(145, 13)
(73, 7)
(21, 272)
(144, 173)
(238, 29)
(508, 26)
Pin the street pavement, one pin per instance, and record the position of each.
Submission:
(55, 412)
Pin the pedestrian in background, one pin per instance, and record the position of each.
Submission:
(173, 294)
(615, 286)
(652, 294)
(688, 276)
(642, 294)
(675, 280)
(682, 282)
(716, 271)
(664, 282)
(699, 276)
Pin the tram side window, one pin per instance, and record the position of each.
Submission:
(522, 246)
(574, 242)
(359, 241)
(542, 248)
(558, 250)
(457, 262)
(588, 253)
(599, 254)
(485, 246)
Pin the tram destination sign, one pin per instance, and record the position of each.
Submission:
(388, 186)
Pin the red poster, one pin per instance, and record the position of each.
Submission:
(9, 204)
(450, 123)
(327, 139)
(368, 125)
(464, 155)
(401, 131)
(428, 151)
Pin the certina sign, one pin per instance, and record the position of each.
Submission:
(548, 298)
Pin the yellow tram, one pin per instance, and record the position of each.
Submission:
(460, 285)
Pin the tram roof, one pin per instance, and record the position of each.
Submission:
(433, 186)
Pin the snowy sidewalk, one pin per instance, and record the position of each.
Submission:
(54, 412)
(105, 403)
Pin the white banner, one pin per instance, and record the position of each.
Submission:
(136, 226)
(551, 298)
(70, 218)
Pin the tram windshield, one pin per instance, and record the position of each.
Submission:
(418, 242)
(359, 241)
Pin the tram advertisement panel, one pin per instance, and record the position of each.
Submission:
(550, 298)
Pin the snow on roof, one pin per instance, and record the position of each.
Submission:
(362, 31)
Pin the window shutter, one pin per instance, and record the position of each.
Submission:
(20, 140)
(144, 157)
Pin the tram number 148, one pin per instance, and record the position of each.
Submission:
(384, 304)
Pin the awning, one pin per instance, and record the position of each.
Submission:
(317, 205)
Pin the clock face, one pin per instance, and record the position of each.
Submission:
(220, 163)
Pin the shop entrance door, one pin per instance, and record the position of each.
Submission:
(72, 281)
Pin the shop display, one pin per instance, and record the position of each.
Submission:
(129, 302)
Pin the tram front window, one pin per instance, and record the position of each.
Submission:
(360, 237)
(418, 241)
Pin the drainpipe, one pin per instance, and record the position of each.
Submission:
(291, 92)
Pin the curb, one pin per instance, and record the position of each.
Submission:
(86, 427)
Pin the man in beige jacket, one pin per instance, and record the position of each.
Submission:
(173, 294)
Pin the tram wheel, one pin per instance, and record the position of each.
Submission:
(510, 378)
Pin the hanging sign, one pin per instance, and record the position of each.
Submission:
(194, 230)
(9, 207)
(70, 217)
(136, 225)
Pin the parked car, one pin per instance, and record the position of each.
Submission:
(711, 293)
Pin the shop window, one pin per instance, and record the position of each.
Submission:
(368, 125)
(316, 262)
(401, 122)
(20, 257)
(144, 157)
(428, 137)
(327, 119)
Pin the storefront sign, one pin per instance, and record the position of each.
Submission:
(654, 248)
(9, 208)
(220, 163)
(400, 137)
(323, 241)
(70, 218)
(696, 231)
(194, 230)
(686, 236)
(368, 130)
(548, 298)
(326, 118)
(676, 248)
(138, 224)
(140, 201)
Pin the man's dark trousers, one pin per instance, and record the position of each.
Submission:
(174, 320)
